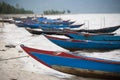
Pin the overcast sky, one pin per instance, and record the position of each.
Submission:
(75, 6)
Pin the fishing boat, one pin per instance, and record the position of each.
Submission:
(54, 21)
(52, 26)
(101, 30)
(46, 23)
(76, 65)
(58, 31)
(73, 44)
(50, 32)
(37, 25)
(94, 37)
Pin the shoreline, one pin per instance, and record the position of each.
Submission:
(21, 67)
(15, 65)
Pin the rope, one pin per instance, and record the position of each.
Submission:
(17, 49)
(19, 43)
(25, 41)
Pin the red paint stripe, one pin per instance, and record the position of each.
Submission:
(64, 54)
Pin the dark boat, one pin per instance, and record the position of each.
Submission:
(76, 65)
(58, 31)
(38, 32)
(102, 30)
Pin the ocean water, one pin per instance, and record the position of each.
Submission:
(92, 21)
(16, 36)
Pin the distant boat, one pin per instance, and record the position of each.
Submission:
(101, 30)
(76, 65)
(6, 19)
(52, 26)
(36, 25)
(47, 23)
(94, 37)
(73, 44)
(54, 21)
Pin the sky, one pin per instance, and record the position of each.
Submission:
(75, 6)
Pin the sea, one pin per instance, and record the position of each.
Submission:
(11, 34)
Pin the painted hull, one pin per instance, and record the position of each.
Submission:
(93, 37)
(73, 45)
(77, 65)
(102, 30)
(54, 21)
(56, 31)
(49, 25)
(32, 31)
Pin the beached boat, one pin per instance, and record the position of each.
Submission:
(73, 44)
(52, 26)
(54, 21)
(94, 37)
(37, 25)
(39, 32)
(58, 31)
(101, 30)
(77, 65)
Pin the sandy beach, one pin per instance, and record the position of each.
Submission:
(15, 64)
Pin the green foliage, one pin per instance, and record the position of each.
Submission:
(8, 9)
(51, 12)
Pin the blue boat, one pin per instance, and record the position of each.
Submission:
(52, 26)
(37, 25)
(47, 23)
(94, 37)
(73, 44)
(76, 65)
(54, 21)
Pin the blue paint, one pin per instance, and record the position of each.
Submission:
(77, 63)
(37, 25)
(95, 37)
(105, 45)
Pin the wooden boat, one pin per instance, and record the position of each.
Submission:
(73, 44)
(102, 30)
(54, 21)
(76, 65)
(36, 25)
(57, 31)
(7, 20)
(94, 37)
(38, 32)
(52, 26)
(68, 31)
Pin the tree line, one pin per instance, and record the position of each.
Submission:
(9, 9)
(51, 12)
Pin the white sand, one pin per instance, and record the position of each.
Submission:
(15, 65)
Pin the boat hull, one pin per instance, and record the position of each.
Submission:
(36, 25)
(102, 30)
(77, 65)
(32, 31)
(93, 37)
(73, 45)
